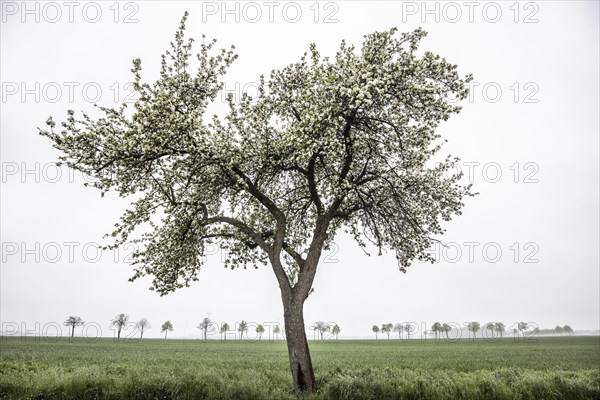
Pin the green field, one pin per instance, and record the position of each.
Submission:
(549, 368)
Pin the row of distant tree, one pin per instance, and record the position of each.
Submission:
(243, 328)
(438, 329)
(121, 320)
(119, 323)
(558, 330)
(324, 327)
(493, 328)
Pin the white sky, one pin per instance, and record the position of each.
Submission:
(542, 56)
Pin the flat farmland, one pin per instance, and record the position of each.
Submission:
(543, 368)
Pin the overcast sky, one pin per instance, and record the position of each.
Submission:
(525, 249)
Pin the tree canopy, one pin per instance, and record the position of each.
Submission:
(333, 142)
(166, 327)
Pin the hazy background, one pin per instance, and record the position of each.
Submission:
(528, 140)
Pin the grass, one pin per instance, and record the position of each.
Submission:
(549, 368)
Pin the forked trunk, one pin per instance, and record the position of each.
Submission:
(293, 298)
(300, 362)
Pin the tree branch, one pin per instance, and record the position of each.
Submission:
(312, 187)
(261, 197)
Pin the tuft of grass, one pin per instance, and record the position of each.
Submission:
(499, 384)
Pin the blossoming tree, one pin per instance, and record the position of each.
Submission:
(326, 144)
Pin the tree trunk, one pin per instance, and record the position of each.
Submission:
(73, 332)
(300, 362)
(118, 333)
(293, 296)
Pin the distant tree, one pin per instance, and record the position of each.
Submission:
(260, 330)
(522, 327)
(558, 330)
(143, 325)
(166, 327)
(243, 327)
(409, 329)
(224, 329)
(336, 331)
(375, 330)
(499, 328)
(387, 328)
(203, 326)
(73, 322)
(436, 327)
(491, 327)
(399, 328)
(474, 327)
(446, 329)
(276, 331)
(321, 327)
(120, 322)
(568, 330)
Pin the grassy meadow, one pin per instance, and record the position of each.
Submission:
(546, 368)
